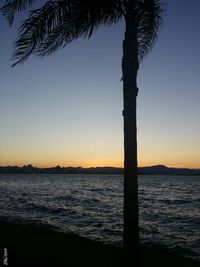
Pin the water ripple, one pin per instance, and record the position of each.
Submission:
(92, 206)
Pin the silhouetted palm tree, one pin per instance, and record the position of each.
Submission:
(58, 23)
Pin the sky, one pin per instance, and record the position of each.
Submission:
(66, 109)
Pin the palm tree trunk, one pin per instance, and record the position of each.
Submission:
(130, 91)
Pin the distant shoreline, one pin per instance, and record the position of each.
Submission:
(151, 170)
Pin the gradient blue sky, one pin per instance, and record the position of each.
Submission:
(66, 109)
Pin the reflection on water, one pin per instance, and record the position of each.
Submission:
(91, 205)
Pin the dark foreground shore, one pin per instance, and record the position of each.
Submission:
(28, 246)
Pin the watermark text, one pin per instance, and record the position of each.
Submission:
(5, 257)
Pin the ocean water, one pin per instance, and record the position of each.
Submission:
(92, 206)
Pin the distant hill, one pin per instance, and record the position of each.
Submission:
(150, 170)
(164, 170)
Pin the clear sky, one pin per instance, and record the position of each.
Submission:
(66, 109)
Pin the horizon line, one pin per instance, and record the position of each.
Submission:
(116, 167)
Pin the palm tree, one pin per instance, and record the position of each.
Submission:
(58, 23)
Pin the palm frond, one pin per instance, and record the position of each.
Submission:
(12, 6)
(34, 30)
(57, 23)
(148, 19)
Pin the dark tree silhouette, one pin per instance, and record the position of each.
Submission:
(56, 24)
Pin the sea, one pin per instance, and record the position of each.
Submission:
(91, 205)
